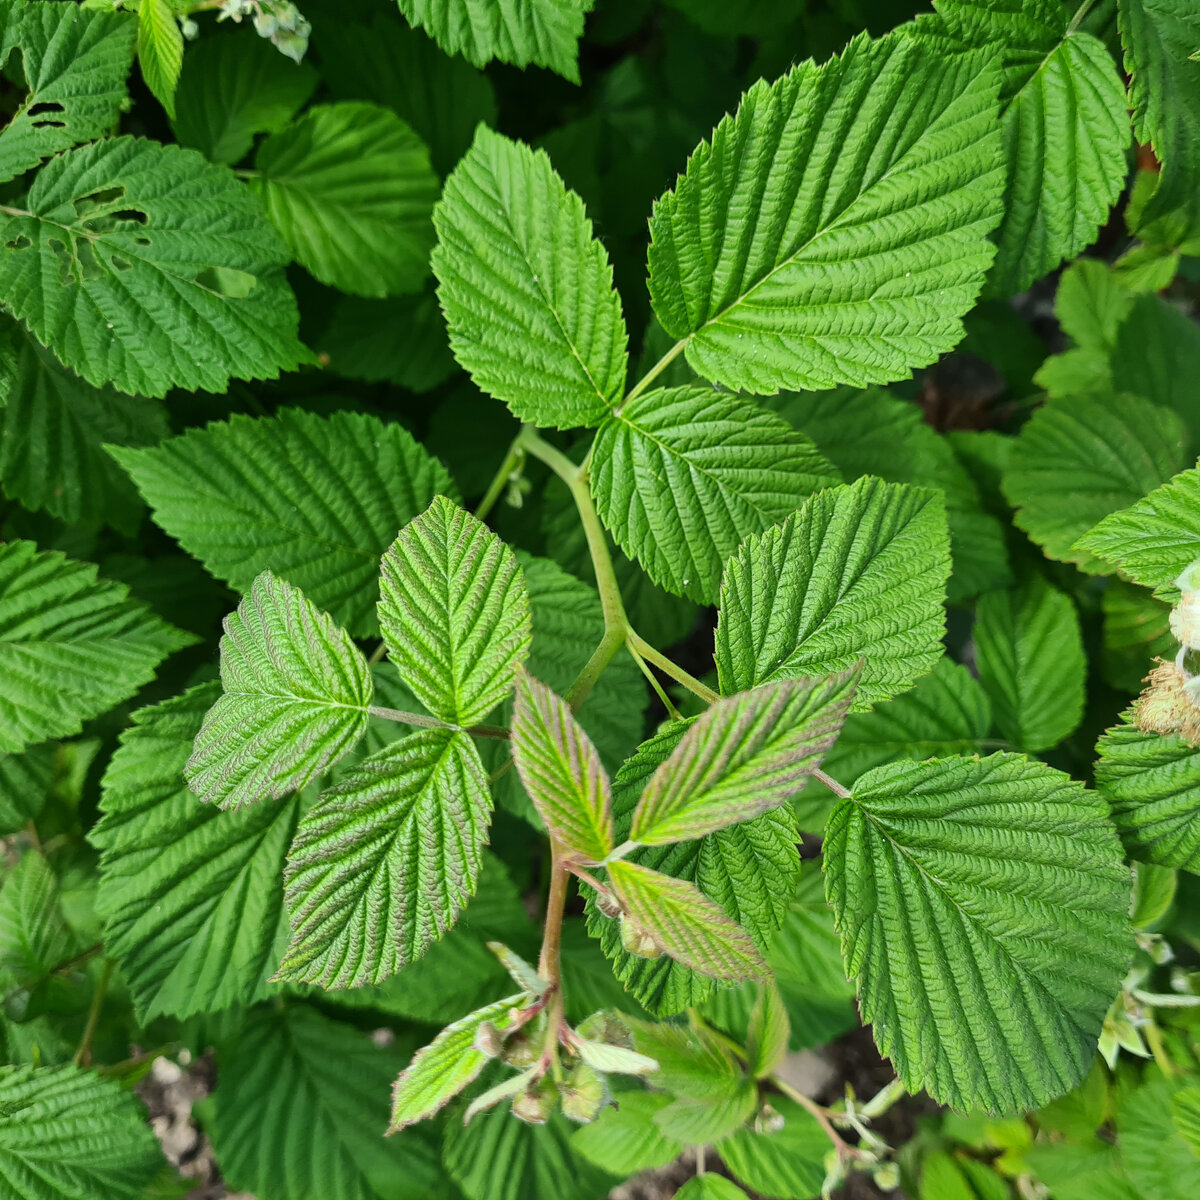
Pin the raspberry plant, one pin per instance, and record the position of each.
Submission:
(620, 680)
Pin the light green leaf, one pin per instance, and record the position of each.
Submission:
(69, 1134)
(74, 63)
(300, 1112)
(856, 263)
(691, 928)
(317, 500)
(447, 1065)
(542, 32)
(160, 50)
(1159, 1159)
(381, 867)
(858, 573)
(767, 1039)
(625, 1139)
(788, 1162)
(350, 188)
(1031, 663)
(296, 694)
(698, 1122)
(602, 1056)
(1185, 1114)
(1152, 784)
(454, 613)
(683, 475)
(1080, 458)
(983, 908)
(710, 1187)
(145, 267)
(71, 645)
(561, 770)
(34, 937)
(526, 289)
(235, 85)
(1160, 38)
(191, 897)
(25, 782)
(52, 433)
(744, 755)
(1065, 129)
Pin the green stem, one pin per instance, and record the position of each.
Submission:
(666, 665)
(550, 958)
(820, 1115)
(500, 480)
(842, 793)
(377, 654)
(654, 372)
(672, 711)
(83, 1056)
(1081, 12)
(498, 732)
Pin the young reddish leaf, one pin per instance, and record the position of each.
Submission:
(561, 770)
(746, 754)
(686, 923)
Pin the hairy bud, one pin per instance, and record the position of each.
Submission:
(584, 1093)
(637, 939)
(535, 1106)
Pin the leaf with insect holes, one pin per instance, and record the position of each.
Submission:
(561, 770)
(454, 612)
(443, 1068)
(296, 694)
(686, 924)
(526, 289)
(746, 754)
(74, 62)
(383, 864)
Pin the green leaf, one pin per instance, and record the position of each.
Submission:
(71, 645)
(52, 433)
(233, 86)
(744, 755)
(74, 63)
(1152, 784)
(767, 1039)
(561, 770)
(447, 1065)
(300, 1112)
(382, 865)
(68, 1134)
(710, 1187)
(1081, 458)
(683, 475)
(858, 573)
(296, 694)
(1153, 540)
(526, 289)
(1160, 38)
(1065, 130)
(350, 188)
(317, 500)
(542, 32)
(1185, 1114)
(698, 1122)
(34, 937)
(691, 928)
(454, 612)
(856, 263)
(1031, 663)
(25, 782)
(160, 50)
(1159, 1159)
(191, 897)
(625, 1138)
(983, 908)
(786, 1163)
(499, 1158)
(145, 267)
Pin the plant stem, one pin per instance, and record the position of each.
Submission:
(377, 654)
(820, 1115)
(842, 793)
(550, 958)
(1081, 12)
(83, 1056)
(654, 372)
(500, 480)
(499, 732)
(672, 711)
(676, 672)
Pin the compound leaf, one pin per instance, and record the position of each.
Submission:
(683, 475)
(68, 1133)
(381, 867)
(316, 500)
(858, 573)
(75, 62)
(71, 645)
(191, 897)
(983, 908)
(1153, 540)
(543, 32)
(1029, 648)
(295, 700)
(685, 923)
(350, 188)
(526, 289)
(561, 770)
(146, 267)
(454, 612)
(746, 754)
(835, 229)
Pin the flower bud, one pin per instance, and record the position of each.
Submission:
(519, 1051)
(584, 1093)
(488, 1040)
(637, 939)
(535, 1106)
